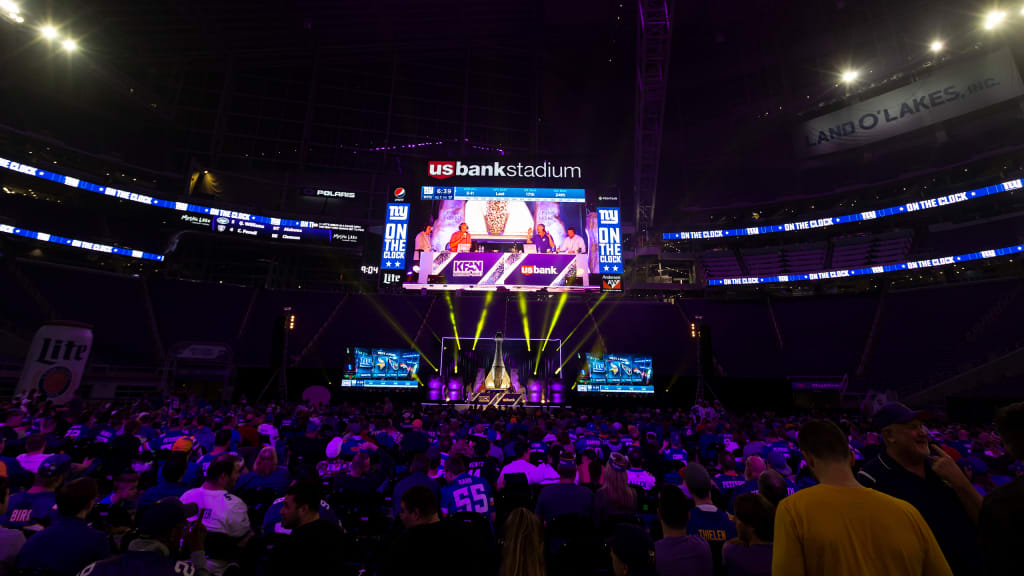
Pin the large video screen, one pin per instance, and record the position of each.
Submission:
(381, 368)
(617, 373)
(512, 220)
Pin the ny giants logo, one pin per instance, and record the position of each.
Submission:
(441, 170)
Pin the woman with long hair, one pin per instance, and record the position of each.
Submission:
(615, 497)
(523, 553)
(265, 473)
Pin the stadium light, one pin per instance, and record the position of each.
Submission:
(994, 18)
(937, 46)
(849, 76)
(69, 45)
(48, 32)
(10, 7)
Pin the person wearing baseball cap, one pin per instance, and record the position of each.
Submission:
(630, 551)
(162, 527)
(69, 544)
(35, 506)
(913, 469)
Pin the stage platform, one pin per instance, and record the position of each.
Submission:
(509, 288)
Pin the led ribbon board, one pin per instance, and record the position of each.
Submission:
(859, 217)
(95, 247)
(277, 228)
(572, 195)
(396, 233)
(869, 270)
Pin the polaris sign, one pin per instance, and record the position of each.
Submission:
(443, 170)
(951, 91)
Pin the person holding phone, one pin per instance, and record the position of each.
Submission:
(915, 470)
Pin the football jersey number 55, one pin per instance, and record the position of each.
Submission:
(471, 498)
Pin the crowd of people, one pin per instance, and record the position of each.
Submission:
(176, 485)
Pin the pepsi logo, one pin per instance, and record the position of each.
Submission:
(399, 193)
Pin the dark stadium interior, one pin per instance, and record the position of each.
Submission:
(213, 241)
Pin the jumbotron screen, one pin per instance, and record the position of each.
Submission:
(381, 368)
(616, 373)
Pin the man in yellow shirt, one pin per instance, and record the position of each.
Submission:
(839, 528)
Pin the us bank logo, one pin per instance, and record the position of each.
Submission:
(468, 268)
(441, 170)
(531, 270)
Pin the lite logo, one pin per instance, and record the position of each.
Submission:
(529, 270)
(54, 351)
(468, 268)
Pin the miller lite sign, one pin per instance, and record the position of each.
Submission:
(56, 361)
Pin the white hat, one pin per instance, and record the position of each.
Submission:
(334, 447)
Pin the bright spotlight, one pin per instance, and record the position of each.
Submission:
(48, 32)
(69, 45)
(849, 76)
(10, 7)
(994, 19)
(937, 46)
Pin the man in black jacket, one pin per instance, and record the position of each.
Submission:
(314, 546)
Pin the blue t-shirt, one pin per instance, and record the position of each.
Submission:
(278, 480)
(79, 546)
(715, 527)
(77, 432)
(25, 509)
(675, 455)
(780, 447)
(104, 436)
(467, 494)
(543, 243)
(728, 482)
(161, 491)
(166, 442)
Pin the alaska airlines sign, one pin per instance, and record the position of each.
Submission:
(952, 91)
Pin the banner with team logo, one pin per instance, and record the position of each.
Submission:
(503, 269)
(396, 235)
(950, 91)
(56, 361)
(609, 245)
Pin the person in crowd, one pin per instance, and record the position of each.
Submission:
(358, 480)
(163, 527)
(679, 552)
(1001, 512)
(914, 470)
(415, 440)
(483, 464)
(753, 466)
(520, 465)
(170, 486)
(115, 513)
(772, 486)
(11, 540)
(314, 542)
(636, 475)
(35, 453)
(810, 541)
(69, 545)
(417, 477)
(221, 445)
(631, 551)
(425, 534)
(750, 553)
(423, 239)
(705, 519)
(123, 447)
(572, 244)
(727, 477)
(183, 447)
(223, 513)
(541, 239)
(523, 553)
(459, 237)
(565, 497)
(615, 497)
(265, 474)
(464, 492)
(310, 446)
(35, 507)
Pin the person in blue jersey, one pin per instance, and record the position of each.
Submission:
(265, 474)
(272, 521)
(541, 239)
(221, 445)
(636, 475)
(162, 529)
(69, 544)
(36, 507)
(11, 539)
(775, 444)
(166, 440)
(170, 486)
(465, 493)
(728, 478)
(115, 512)
(752, 469)
(203, 434)
(707, 520)
(592, 441)
(675, 453)
(102, 431)
(565, 497)
(79, 431)
(778, 463)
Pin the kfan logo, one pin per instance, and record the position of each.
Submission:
(448, 168)
(530, 270)
(468, 268)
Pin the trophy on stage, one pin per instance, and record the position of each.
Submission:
(497, 378)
